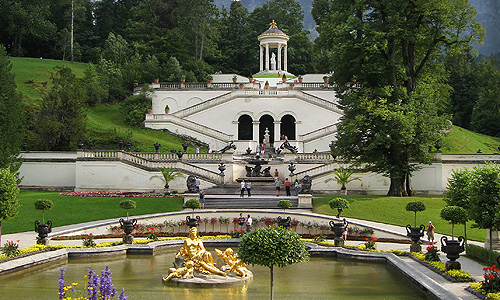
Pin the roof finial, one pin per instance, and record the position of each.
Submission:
(273, 25)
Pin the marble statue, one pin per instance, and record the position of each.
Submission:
(273, 61)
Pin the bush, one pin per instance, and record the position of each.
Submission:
(482, 255)
(193, 204)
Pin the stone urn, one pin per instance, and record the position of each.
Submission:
(284, 222)
(43, 231)
(452, 248)
(415, 233)
(338, 229)
(128, 227)
(192, 222)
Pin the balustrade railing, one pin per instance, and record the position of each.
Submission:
(318, 133)
(157, 160)
(203, 105)
(192, 126)
(170, 85)
(314, 157)
(323, 169)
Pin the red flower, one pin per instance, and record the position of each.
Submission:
(152, 228)
(366, 239)
(90, 234)
(374, 239)
(492, 277)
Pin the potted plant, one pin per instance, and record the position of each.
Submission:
(453, 248)
(250, 78)
(300, 78)
(157, 80)
(128, 225)
(325, 79)
(292, 85)
(415, 233)
(266, 85)
(41, 228)
(169, 174)
(343, 177)
(284, 222)
(183, 78)
(193, 204)
(235, 78)
(209, 78)
(241, 86)
(283, 78)
(338, 227)
(167, 109)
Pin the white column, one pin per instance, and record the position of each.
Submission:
(286, 59)
(256, 132)
(267, 57)
(261, 58)
(278, 66)
(277, 125)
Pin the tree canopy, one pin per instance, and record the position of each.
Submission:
(390, 84)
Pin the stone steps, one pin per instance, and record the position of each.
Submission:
(255, 201)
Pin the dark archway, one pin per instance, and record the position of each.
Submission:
(245, 128)
(266, 121)
(288, 127)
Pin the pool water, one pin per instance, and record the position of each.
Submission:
(140, 275)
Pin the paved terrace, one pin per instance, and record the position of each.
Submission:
(432, 283)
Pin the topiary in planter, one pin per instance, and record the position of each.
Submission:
(128, 204)
(193, 204)
(43, 205)
(454, 215)
(415, 206)
(340, 204)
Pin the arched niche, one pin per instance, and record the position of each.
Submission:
(245, 128)
(288, 127)
(266, 121)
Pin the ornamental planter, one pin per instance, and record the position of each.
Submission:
(300, 79)
(157, 80)
(266, 87)
(250, 79)
(234, 79)
(43, 231)
(338, 229)
(183, 80)
(415, 233)
(128, 227)
(284, 222)
(452, 248)
(192, 222)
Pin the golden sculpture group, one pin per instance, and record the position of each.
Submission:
(197, 258)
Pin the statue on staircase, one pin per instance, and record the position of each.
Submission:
(230, 146)
(191, 184)
(305, 185)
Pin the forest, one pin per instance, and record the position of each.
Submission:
(135, 41)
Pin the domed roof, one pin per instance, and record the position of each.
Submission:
(273, 31)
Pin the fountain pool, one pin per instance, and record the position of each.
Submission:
(140, 275)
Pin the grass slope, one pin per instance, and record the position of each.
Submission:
(71, 210)
(32, 73)
(107, 126)
(391, 210)
(461, 140)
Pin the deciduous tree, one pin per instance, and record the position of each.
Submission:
(389, 85)
(8, 196)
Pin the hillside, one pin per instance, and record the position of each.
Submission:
(106, 125)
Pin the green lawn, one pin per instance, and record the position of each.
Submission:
(71, 210)
(106, 121)
(32, 73)
(461, 140)
(391, 210)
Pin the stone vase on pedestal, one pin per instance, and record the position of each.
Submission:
(284, 222)
(338, 230)
(43, 231)
(452, 248)
(415, 233)
(128, 227)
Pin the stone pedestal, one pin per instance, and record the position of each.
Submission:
(305, 201)
(495, 238)
(452, 265)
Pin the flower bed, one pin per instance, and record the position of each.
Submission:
(118, 194)
(440, 268)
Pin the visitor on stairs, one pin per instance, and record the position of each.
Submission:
(249, 187)
(276, 173)
(287, 187)
(241, 222)
(277, 184)
(243, 188)
(202, 199)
